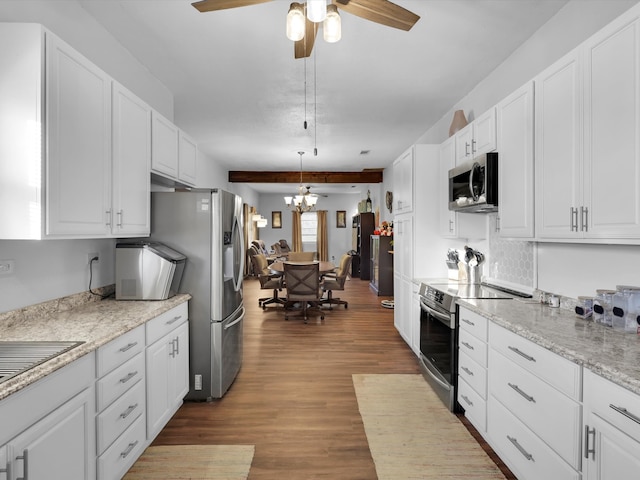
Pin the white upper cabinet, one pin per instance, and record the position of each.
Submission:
(515, 163)
(78, 137)
(173, 154)
(448, 226)
(403, 182)
(476, 138)
(131, 164)
(588, 138)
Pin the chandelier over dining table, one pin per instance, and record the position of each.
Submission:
(304, 201)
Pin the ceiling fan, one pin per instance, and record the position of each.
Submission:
(379, 11)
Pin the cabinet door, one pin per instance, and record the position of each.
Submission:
(59, 447)
(414, 319)
(612, 132)
(131, 163)
(187, 159)
(515, 166)
(557, 146)
(403, 182)
(403, 245)
(614, 455)
(464, 143)
(78, 133)
(158, 364)
(164, 146)
(447, 218)
(484, 133)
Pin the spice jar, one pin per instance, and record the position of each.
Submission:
(625, 307)
(584, 308)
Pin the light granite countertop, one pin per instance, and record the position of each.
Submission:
(609, 353)
(94, 323)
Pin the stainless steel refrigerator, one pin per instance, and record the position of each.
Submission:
(206, 226)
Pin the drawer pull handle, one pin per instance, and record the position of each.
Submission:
(468, 345)
(524, 453)
(128, 411)
(128, 377)
(468, 372)
(174, 320)
(464, 397)
(522, 354)
(589, 431)
(129, 346)
(468, 322)
(25, 467)
(517, 389)
(625, 412)
(130, 447)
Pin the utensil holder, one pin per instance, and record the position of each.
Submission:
(468, 274)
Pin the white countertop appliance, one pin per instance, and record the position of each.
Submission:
(147, 271)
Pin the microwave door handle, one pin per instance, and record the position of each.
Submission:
(475, 167)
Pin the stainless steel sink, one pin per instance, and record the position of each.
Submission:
(18, 357)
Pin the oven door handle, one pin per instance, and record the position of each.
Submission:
(444, 318)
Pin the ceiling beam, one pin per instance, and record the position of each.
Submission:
(366, 176)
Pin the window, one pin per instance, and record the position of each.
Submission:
(309, 222)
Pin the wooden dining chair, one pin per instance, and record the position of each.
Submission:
(303, 288)
(336, 281)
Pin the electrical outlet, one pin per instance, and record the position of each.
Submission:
(7, 267)
(198, 382)
(91, 256)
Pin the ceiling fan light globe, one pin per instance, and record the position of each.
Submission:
(298, 200)
(332, 26)
(316, 10)
(295, 22)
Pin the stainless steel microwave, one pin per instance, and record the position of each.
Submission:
(473, 186)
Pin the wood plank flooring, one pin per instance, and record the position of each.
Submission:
(294, 398)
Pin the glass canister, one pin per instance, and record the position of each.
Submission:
(625, 309)
(602, 307)
(584, 308)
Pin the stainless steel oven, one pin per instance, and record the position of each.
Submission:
(439, 334)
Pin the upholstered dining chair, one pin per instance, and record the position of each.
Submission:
(335, 281)
(268, 281)
(303, 287)
(301, 256)
(284, 246)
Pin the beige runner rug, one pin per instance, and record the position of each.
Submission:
(412, 435)
(193, 462)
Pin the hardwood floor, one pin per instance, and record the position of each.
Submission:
(294, 398)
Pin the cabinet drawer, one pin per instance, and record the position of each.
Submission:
(117, 417)
(118, 351)
(474, 347)
(475, 407)
(114, 384)
(564, 375)
(473, 323)
(119, 457)
(613, 403)
(526, 455)
(163, 324)
(554, 417)
(473, 374)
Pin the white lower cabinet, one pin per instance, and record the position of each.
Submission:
(47, 428)
(534, 414)
(611, 430)
(167, 367)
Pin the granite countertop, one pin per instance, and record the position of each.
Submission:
(609, 353)
(94, 323)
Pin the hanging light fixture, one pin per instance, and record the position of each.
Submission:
(316, 10)
(332, 26)
(304, 200)
(295, 22)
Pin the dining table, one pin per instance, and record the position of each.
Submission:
(324, 267)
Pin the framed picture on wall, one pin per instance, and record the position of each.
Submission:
(276, 219)
(341, 219)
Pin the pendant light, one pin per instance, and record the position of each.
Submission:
(316, 10)
(295, 22)
(332, 26)
(304, 200)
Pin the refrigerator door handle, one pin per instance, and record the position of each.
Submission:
(237, 320)
(237, 232)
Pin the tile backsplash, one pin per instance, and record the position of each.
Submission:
(510, 260)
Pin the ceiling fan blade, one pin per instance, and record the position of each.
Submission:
(380, 11)
(213, 5)
(302, 48)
